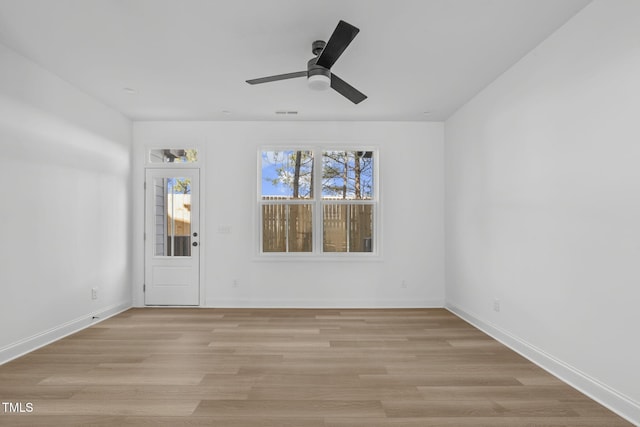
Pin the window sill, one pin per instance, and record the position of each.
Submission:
(368, 257)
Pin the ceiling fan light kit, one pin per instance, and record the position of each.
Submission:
(318, 74)
(319, 82)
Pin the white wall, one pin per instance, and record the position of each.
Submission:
(543, 204)
(412, 175)
(64, 207)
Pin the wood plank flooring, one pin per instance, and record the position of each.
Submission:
(288, 367)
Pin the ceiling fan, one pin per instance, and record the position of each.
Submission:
(318, 73)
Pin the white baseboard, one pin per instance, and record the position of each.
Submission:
(316, 303)
(617, 402)
(34, 342)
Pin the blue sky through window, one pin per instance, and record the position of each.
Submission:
(345, 174)
(178, 185)
(278, 170)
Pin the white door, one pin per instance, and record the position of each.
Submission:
(172, 236)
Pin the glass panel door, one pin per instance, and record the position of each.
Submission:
(172, 251)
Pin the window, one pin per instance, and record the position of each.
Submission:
(317, 201)
(173, 155)
(347, 201)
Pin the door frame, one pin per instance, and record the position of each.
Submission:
(139, 297)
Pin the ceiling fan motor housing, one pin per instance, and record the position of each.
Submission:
(312, 68)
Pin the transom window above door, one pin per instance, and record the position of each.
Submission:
(172, 155)
(318, 201)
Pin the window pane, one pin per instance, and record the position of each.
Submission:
(347, 175)
(172, 235)
(286, 228)
(287, 175)
(173, 155)
(347, 228)
(334, 228)
(361, 228)
(300, 228)
(274, 235)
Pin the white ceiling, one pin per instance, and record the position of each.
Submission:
(189, 59)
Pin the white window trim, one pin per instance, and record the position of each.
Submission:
(317, 253)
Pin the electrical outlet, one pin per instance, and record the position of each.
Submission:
(496, 305)
(94, 293)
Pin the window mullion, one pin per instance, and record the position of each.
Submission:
(287, 207)
(317, 196)
(348, 230)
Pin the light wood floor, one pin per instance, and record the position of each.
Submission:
(298, 368)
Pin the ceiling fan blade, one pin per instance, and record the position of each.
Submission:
(278, 77)
(342, 36)
(346, 90)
